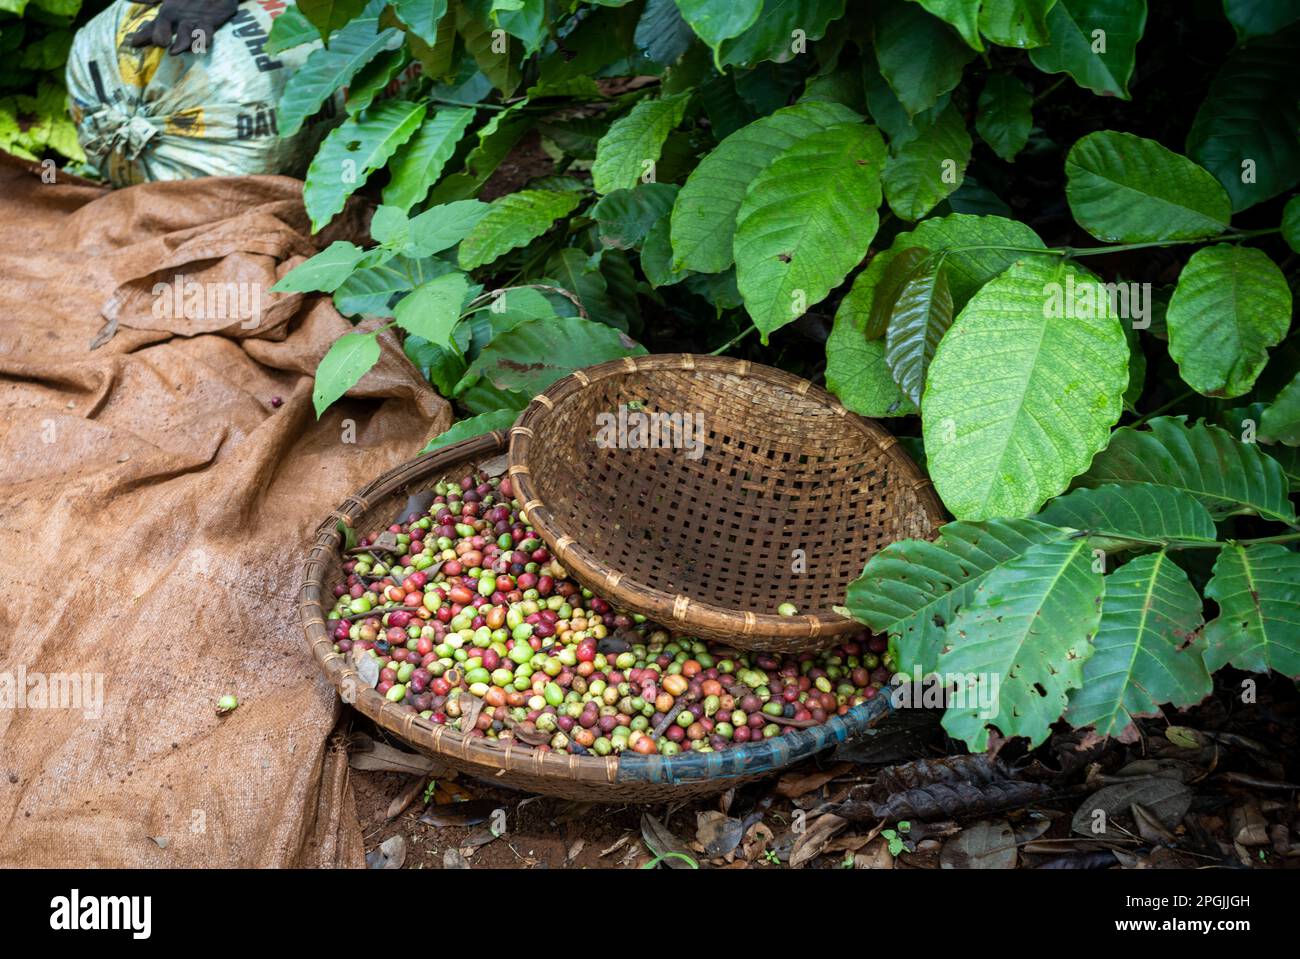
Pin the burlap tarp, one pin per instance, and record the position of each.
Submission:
(154, 506)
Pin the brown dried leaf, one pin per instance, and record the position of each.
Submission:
(796, 783)
(369, 755)
(391, 853)
(1166, 799)
(717, 835)
(661, 841)
(404, 798)
(812, 841)
(982, 845)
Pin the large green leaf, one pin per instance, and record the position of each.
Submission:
(626, 216)
(1280, 422)
(432, 309)
(806, 221)
(704, 216)
(1291, 223)
(352, 151)
(912, 589)
(329, 15)
(417, 165)
(1015, 23)
(1225, 474)
(476, 33)
(372, 79)
(1140, 511)
(1245, 131)
(856, 371)
(331, 68)
(1258, 626)
(441, 227)
(347, 360)
(514, 220)
(496, 139)
(421, 16)
(1259, 18)
(962, 15)
(1005, 117)
(1126, 189)
(1147, 650)
(975, 248)
(1021, 395)
(324, 271)
(920, 318)
(920, 57)
(716, 20)
(290, 29)
(1231, 305)
(900, 266)
(473, 426)
(929, 167)
(773, 36)
(630, 150)
(534, 354)
(1095, 42)
(1021, 642)
(662, 33)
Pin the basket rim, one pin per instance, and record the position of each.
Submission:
(737, 763)
(683, 612)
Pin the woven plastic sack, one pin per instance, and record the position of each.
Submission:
(143, 114)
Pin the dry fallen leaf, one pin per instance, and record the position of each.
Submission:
(814, 838)
(987, 844)
(391, 853)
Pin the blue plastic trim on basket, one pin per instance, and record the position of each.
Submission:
(759, 757)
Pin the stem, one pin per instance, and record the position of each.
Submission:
(1160, 409)
(1076, 252)
(444, 101)
(1048, 91)
(733, 341)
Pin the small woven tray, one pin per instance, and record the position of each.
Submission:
(628, 777)
(784, 499)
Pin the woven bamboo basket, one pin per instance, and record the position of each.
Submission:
(615, 779)
(784, 498)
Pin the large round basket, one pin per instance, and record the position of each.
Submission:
(614, 779)
(706, 492)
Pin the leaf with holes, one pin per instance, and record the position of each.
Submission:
(1073, 49)
(1231, 305)
(806, 221)
(1147, 651)
(1020, 396)
(704, 216)
(514, 220)
(630, 149)
(352, 151)
(913, 589)
(1021, 642)
(1124, 189)
(928, 168)
(1140, 512)
(920, 318)
(1225, 474)
(1258, 626)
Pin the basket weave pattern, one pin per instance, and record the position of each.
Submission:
(710, 543)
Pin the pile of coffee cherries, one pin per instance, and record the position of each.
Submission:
(471, 622)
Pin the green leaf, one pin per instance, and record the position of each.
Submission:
(1005, 115)
(928, 168)
(1146, 652)
(657, 256)
(772, 36)
(576, 273)
(369, 290)
(704, 216)
(920, 57)
(1020, 394)
(1124, 189)
(421, 16)
(1291, 223)
(441, 227)
(1139, 511)
(912, 589)
(1245, 131)
(1281, 420)
(354, 150)
(1259, 18)
(806, 221)
(331, 68)
(1258, 626)
(662, 32)
(716, 20)
(496, 139)
(630, 150)
(1021, 643)
(432, 309)
(290, 29)
(370, 82)
(856, 372)
(474, 426)
(443, 368)
(1074, 42)
(535, 354)
(348, 359)
(419, 162)
(962, 15)
(330, 15)
(626, 216)
(512, 221)
(1015, 23)
(500, 68)
(1225, 474)
(901, 266)
(969, 269)
(920, 318)
(324, 271)
(1231, 305)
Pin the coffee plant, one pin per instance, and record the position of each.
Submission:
(1053, 239)
(35, 36)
